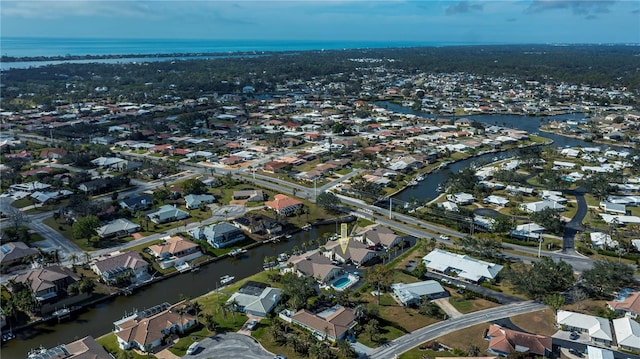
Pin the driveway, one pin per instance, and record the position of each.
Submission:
(231, 346)
(444, 304)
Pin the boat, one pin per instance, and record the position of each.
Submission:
(412, 183)
(8, 336)
(306, 227)
(184, 267)
(62, 313)
(237, 252)
(420, 178)
(440, 188)
(226, 279)
(288, 236)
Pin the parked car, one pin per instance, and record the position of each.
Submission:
(252, 324)
(574, 336)
(575, 352)
(193, 348)
(279, 357)
(444, 238)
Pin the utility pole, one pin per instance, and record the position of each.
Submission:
(315, 189)
(390, 206)
(539, 246)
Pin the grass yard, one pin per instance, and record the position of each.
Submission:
(465, 338)
(110, 343)
(540, 322)
(469, 305)
(180, 348)
(261, 333)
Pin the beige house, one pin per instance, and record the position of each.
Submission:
(376, 235)
(47, 283)
(331, 324)
(312, 265)
(175, 251)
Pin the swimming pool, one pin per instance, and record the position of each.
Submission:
(344, 282)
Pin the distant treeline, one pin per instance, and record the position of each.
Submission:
(600, 66)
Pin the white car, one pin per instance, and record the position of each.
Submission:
(444, 238)
(252, 324)
(193, 348)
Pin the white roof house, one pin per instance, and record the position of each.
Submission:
(256, 299)
(599, 353)
(627, 333)
(620, 220)
(412, 293)
(598, 328)
(534, 207)
(448, 206)
(496, 200)
(116, 227)
(602, 240)
(461, 198)
(609, 207)
(463, 266)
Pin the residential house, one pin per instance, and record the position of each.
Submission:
(602, 240)
(249, 195)
(218, 235)
(167, 213)
(146, 330)
(376, 235)
(527, 231)
(44, 197)
(97, 185)
(13, 253)
(312, 265)
(629, 306)
(535, 207)
(504, 341)
(461, 266)
(53, 153)
(174, 251)
(356, 252)
(47, 283)
(332, 324)
(119, 267)
(412, 294)
(85, 348)
(627, 333)
(599, 353)
(249, 224)
(284, 205)
(30, 186)
(598, 329)
(609, 207)
(194, 201)
(136, 203)
(255, 298)
(496, 200)
(461, 198)
(117, 227)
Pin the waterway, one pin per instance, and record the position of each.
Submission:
(98, 320)
(427, 189)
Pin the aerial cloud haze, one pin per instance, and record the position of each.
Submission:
(468, 21)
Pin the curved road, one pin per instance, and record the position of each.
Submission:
(431, 332)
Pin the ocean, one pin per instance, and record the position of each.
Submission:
(39, 47)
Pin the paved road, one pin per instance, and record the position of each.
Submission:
(575, 224)
(231, 346)
(431, 332)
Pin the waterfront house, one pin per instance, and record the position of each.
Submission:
(284, 205)
(167, 213)
(47, 283)
(627, 333)
(174, 251)
(85, 348)
(597, 328)
(496, 200)
(413, 293)
(504, 341)
(193, 201)
(120, 267)
(461, 266)
(356, 252)
(218, 235)
(312, 265)
(13, 253)
(331, 324)
(255, 298)
(146, 330)
(376, 235)
(117, 227)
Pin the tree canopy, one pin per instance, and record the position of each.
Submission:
(85, 227)
(542, 278)
(606, 277)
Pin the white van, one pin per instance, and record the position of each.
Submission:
(193, 348)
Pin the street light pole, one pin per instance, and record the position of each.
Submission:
(390, 206)
(539, 246)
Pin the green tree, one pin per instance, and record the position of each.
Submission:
(542, 278)
(328, 201)
(372, 329)
(194, 186)
(379, 277)
(554, 301)
(85, 227)
(606, 277)
(87, 285)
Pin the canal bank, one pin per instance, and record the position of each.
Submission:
(97, 319)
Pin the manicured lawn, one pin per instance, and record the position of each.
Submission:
(464, 338)
(262, 334)
(469, 305)
(110, 343)
(180, 348)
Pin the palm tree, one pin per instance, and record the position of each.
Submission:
(197, 307)
(87, 257)
(210, 322)
(73, 258)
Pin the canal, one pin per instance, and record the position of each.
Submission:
(98, 320)
(427, 189)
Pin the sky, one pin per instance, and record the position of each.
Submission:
(426, 21)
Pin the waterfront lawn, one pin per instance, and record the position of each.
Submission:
(110, 344)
